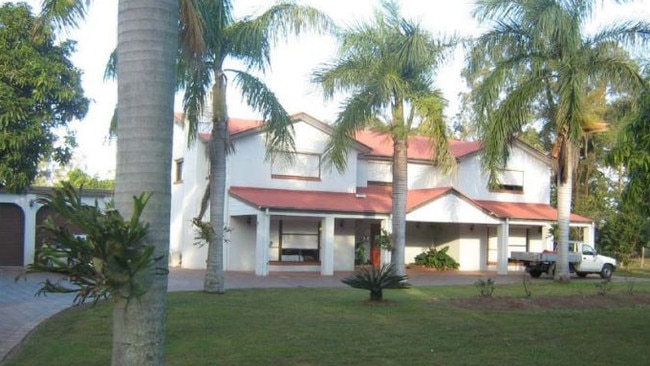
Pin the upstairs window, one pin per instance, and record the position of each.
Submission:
(510, 181)
(305, 166)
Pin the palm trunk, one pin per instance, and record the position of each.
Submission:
(214, 281)
(400, 189)
(564, 191)
(147, 44)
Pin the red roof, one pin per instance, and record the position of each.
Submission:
(381, 145)
(419, 146)
(378, 199)
(526, 211)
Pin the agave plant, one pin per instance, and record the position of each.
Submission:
(376, 279)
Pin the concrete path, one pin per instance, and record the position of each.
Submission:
(21, 311)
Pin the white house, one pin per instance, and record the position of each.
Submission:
(305, 216)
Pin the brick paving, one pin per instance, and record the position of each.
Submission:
(21, 310)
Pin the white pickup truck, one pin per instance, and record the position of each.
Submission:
(583, 260)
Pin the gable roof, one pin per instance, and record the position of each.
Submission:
(377, 199)
(373, 144)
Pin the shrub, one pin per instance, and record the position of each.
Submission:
(376, 279)
(438, 259)
(485, 287)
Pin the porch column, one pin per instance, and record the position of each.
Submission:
(503, 234)
(262, 244)
(29, 240)
(386, 255)
(588, 235)
(327, 247)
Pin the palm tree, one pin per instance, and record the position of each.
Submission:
(248, 41)
(537, 62)
(147, 49)
(387, 67)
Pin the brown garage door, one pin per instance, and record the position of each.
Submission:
(42, 214)
(12, 235)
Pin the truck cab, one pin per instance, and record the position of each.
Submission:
(591, 261)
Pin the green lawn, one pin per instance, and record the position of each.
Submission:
(417, 326)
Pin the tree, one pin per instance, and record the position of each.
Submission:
(147, 47)
(40, 93)
(249, 41)
(537, 62)
(79, 178)
(387, 67)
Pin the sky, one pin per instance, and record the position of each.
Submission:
(291, 64)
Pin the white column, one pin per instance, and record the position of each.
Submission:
(588, 235)
(387, 225)
(327, 246)
(262, 244)
(29, 239)
(503, 234)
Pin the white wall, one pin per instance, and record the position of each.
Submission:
(240, 251)
(344, 232)
(473, 183)
(248, 167)
(420, 174)
(451, 209)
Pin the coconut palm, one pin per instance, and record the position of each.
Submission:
(538, 63)
(147, 49)
(247, 41)
(387, 67)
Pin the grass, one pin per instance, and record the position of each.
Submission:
(338, 327)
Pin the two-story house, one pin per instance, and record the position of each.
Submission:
(303, 215)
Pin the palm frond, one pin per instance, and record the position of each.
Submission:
(63, 13)
(277, 122)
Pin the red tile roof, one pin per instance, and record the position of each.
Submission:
(526, 211)
(381, 145)
(378, 199)
(419, 146)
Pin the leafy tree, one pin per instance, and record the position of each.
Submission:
(40, 93)
(536, 62)
(632, 151)
(388, 68)
(79, 178)
(248, 41)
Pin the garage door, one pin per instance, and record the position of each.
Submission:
(42, 214)
(12, 235)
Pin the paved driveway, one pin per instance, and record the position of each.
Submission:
(21, 311)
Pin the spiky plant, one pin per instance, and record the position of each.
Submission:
(376, 279)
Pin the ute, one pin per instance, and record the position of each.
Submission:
(583, 260)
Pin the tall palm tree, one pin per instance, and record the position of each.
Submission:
(147, 49)
(248, 41)
(537, 62)
(387, 67)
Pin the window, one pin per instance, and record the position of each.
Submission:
(510, 181)
(304, 166)
(178, 177)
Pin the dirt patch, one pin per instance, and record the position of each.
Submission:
(550, 302)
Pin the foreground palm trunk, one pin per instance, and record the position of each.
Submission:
(564, 192)
(400, 189)
(214, 281)
(147, 44)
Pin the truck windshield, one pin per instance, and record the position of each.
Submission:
(587, 250)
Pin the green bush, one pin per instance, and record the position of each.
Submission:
(438, 259)
(376, 279)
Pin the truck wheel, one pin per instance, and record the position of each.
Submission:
(606, 272)
(581, 274)
(535, 273)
